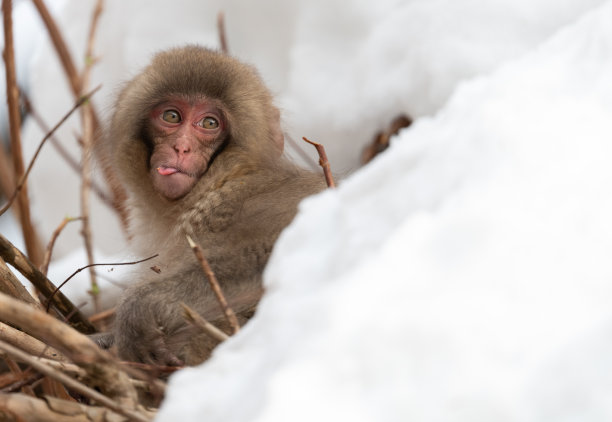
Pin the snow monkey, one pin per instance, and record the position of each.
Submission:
(197, 143)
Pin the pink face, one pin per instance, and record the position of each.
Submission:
(185, 136)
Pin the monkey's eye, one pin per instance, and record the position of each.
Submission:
(209, 123)
(171, 116)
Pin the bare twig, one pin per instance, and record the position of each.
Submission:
(74, 165)
(197, 320)
(16, 370)
(33, 246)
(10, 285)
(47, 136)
(323, 162)
(221, 29)
(60, 47)
(118, 192)
(100, 316)
(88, 134)
(212, 279)
(300, 151)
(99, 364)
(49, 250)
(72, 383)
(150, 368)
(21, 263)
(28, 343)
(27, 378)
(20, 407)
(382, 139)
(57, 290)
(7, 179)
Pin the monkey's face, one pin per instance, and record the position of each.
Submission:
(184, 135)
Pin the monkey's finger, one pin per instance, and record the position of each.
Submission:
(160, 354)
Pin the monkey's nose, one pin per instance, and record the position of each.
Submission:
(182, 148)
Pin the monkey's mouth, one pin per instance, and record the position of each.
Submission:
(166, 171)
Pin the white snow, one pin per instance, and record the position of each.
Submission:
(464, 275)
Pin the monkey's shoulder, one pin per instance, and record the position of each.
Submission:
(267, 196)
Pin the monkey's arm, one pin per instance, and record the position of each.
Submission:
(150, 325)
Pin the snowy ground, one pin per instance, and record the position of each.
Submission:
(464, 275)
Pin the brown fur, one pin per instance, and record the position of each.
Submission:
(235, 211)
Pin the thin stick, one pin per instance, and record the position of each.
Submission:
(16, 370)
(102, 315)
(74, 165)
(300, 151)
(221, 29)
(212, 279)
(60, 47)
(33, 247)
(21, 263)
(197, 320)
(47, 258)
(119, 195)
(10, 285)
(99, 364)
(323, 162)
(20, 382)
(71, 382)
(57, 290)
(21, 183)
(88, 133)
(7, 175)
(29, 344)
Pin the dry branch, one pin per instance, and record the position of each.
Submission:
(323, 162)
(88, 134)
(20, 406)
(382, 139)
(16, 370)
(24, 177)
(78, 270)
(100, 316)
(10, 285)
(49, 250)
(118, 193)
(74, 165)
(197, 320)
(99, 364)
(11, 382)
(221, 29)
(212, 279)
(60, 47)
(33, 246)
(21, 263)
(73, 384)
(7, 179)
(300, 151)
(28, 343)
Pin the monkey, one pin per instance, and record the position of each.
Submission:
(196, 141)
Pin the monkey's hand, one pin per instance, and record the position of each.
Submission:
(103, 340)
(145, 324)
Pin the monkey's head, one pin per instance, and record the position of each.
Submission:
(190, 110)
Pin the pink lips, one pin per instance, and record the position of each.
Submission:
(166, 171)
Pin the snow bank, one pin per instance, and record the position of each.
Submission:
(463, 276)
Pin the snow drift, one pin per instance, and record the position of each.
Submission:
(463, 276)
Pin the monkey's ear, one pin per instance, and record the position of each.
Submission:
(277, 131)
